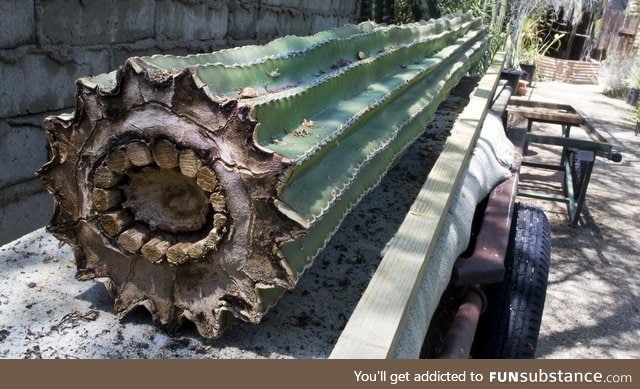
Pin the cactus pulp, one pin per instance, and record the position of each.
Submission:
(201, 187)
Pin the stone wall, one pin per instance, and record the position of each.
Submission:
(45, 45)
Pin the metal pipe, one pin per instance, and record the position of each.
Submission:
(457, 343)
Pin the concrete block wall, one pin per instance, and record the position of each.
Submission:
(45, 45)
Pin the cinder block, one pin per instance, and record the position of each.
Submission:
(345, 8)
(134, 20)
(295, 23)
(191, 21)
(316, 6)
(321, 23)
(274, 22)
(269, 24)
(298, 4)
(17, 23)
(26, 214)
(44, 80)
(93, 22)
(242, 21)
(23, 150)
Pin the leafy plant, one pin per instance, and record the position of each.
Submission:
(479, 8)
(532, 45)
(407, 11)
(528, 19)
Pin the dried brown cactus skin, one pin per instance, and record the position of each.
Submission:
(162, 201)
(206, 207)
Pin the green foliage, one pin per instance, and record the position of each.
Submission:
(531, 44)
(527, 20)
(519, 11)
(451, 6)
(407, 11)
(380, 11)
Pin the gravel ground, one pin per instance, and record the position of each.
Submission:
(593, 298)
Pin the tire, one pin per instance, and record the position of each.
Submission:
(510, 326)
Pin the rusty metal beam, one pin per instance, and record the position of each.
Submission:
(459, 339)
(486, 263)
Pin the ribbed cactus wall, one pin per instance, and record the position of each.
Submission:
(201, 187)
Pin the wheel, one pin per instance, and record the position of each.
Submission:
(510, 326)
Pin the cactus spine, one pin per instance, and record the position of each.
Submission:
(201, 187)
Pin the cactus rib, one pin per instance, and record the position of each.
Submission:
(337, 203)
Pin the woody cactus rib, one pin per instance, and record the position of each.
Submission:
(201, 187)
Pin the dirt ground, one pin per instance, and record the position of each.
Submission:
(593, 298)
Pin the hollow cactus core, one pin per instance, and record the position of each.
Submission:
(201, 187)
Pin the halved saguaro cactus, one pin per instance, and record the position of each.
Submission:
(201, 187)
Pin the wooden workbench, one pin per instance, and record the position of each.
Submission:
(577, 156)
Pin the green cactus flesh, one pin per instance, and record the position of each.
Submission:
(201, 187)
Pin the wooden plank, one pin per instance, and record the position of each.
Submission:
(568, 70)
(592, 132)
(517, 105)
(518, 102)
(549, 117)
(374, 327)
